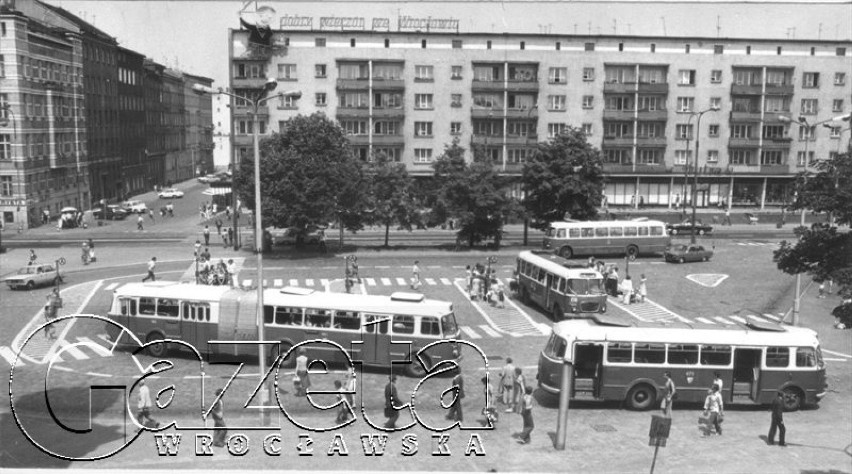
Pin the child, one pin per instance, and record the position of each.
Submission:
(822, 290)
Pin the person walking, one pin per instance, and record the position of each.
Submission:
(671, 393)
(232, 272)
(717, 380)
(415, 275)
(457, 388)
(727, 220)
(391, 398)
(139, 222)
(231, 236)
(507, 383)
(519, 390)
(322, 243)
(468, 278)
(643, 289)
(343, 409)
(144, 405)
(219, 226)
(612, 281)
(51, 310)
(302, 373)
(626, 289)
(500, 291)
(206, 233)
(151, 214)
(221, 432)
(777, 410)
(92, 251)
(526, 413)
(32, 258)
(152, 264)
(714, 410)
(170, 208)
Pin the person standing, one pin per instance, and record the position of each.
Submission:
(526, 413)
(139, 222)
(457, 388)
(519, 389)
(170, 208)
(219, 226)
(51, 310)
(468, 278)
(671, 391)
(500, 290)
(232, 272)
(415, 275)
(206, 233)
(714, 409)
(231, 236)
(302, 373)
(391, 398)
(626, 289)
(322, 244)
(507, 383)
(777, 409)
(643, 289)
(612, 281)
(221, 432)
(343, 410)
(151, 214)
(32, 258)
(92, 250)
(144, 405)
(717, 380)
(152, 264)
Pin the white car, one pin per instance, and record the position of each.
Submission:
(170, 193)
(34, 275)
(137, 207)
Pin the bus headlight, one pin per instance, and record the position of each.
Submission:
(573, 300)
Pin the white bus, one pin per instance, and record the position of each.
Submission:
(629, 238)
(558, 287)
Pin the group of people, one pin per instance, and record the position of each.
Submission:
(627, 289)
(209, 273)
(167, 210)
(208, 211)
(482, 284)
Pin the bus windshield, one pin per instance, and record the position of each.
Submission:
(585, 286)
(448, 325)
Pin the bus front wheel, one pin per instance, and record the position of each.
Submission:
(566, 252)
(157, 349)
(793, 399)
(641, 397)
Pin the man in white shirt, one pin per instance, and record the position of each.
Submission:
(144, 406)
(152, 264)
(232, 272)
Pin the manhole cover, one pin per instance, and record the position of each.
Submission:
(603, 428)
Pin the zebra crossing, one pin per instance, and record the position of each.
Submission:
(324, 282)
(736, 319)
(83, 348)
(752, 243)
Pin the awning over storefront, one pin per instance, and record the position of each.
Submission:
(216, 191)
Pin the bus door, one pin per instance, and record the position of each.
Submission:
(747, 372)
(588, 361)
(550, 285)
(127, 317)
(189, 325)
(376, 338)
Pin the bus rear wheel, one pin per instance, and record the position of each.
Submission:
(632, 252)
(157, 349)
(566, 252)
(641, 397)
(793, 399)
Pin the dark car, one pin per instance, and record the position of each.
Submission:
(687, 253)
(685, 227)
(114, 212)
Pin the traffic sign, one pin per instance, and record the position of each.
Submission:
(659, 432)
(61, 261)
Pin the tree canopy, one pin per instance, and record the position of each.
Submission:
(564, 176)
(390, 195)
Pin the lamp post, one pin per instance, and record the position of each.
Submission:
(260, 99)
(803, 122)
(695, 174)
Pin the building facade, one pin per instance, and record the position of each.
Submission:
(408, 94)
(198, 120)
(131, 121)
(221, 132)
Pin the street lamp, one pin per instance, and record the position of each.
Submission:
(695, 174)
(803, 122)
(260, 99)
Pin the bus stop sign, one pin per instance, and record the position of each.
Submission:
(660, 426)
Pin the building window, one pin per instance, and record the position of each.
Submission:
(718, 49)
(3, 29)
(619, 156)
(2, 66)
(716, 103)
(716, 76)
(422, 129)
(455, 100)
(287, 72)
(687, 77)
(650, 129)
(836, 105)
(813, 51)
(653, 48)
(802, 159)
(772, 157)
(840, 51)
(683, 132)
(778, 51)
(685, 104)
(319, 42)
(4, 102)
(741, 131)
(650, 156)
(455, 128)
(558, 46)
(748, 49)
(354, 127)
(422, 155)
(621, 46)
(321, 99)
(682, 157)
(5, 147)
(320, 71)
(352, 43)
(810, 80)
(456, 72)
(556, 102)
(742, 157)
(555, 129)
(422, 101)
(712, 156)
(424, 73)
(589, 46)
(588, 74)
(588, 101)
(587, 129)
(807, 134)
(381, 127)
(686, 48)
(517, 155)
(713, 130)
(809, 106)
(287, 102)
(557, 75)
(834, 132)
(457, 44)
(387, 100)
(839, 78)
(423, 44)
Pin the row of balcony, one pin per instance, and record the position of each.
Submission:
(378, 140)
(629, 115)
(739, 142)
(703, 171)
(642, 87)
(757, 89)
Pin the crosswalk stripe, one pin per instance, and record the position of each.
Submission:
(738, 319)
(722, 320)
(704, 320)
(294, 282)
(470, 332)
(774, 318)
(401, 281)
(111, 286)
(309, 282)
(431, 281)
(265, 283)
(324, 281)
(386, 281)
(99, 349)
(72, 350)
(446, 281)
(9, 355)
(370, 281)
(756, 318)
(488, 330)
(247, 283)
(104, 338)
(278, 282)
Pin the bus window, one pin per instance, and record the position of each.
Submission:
(318, 318)
(615, 231)
(643, 231)
(715, 355)
(550, 232)
(560, 234)
(574, 233)
(448, 325)
(555, 348)
(347, 320)
(202, 311)
(601, 232)
(167, 307)
(373, 320)
(777, 356)
(656, 230)
(541, 275)
(128, 306)
(403, 324)
(619, 352)
(683, 354)
(430, 326)
(805, 357)
(650, 354)
(147, 305)
(563, 285)
(288, 316)
(187, 312)
(629, 231)
(587, 232)
(554, 282)
(268, 314)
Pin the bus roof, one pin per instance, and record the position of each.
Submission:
(172, 289)
(589, 330)
(557, 265)
(595, 224)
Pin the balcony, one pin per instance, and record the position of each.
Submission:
(389, 113)
(746, 89)
(491, 140)
(353, 84)
(654, 88)
(618, 141)
(245, 110)
(388, 84)
(481, 112)
(362, 112)
(619, 87)
(779, 89)
(478, 85)
(740, 142)
(775, 169)
(774, 117)
(620, 115)
(248, 82)
(522, 86)
(387, 140)
(618, 167)
(59, 160)
(521, 140)
(358, 139)
(657, 115)
(777, 143)
(744, 168)
(745, 116)
(522, 113)
(649, 142)
(511, 168)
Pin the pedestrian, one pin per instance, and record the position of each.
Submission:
(354, 268)
(151, 214)
(468, 277)
(232, 272)
(457, 388)
(714, 409)
(643, 289)
(302, 373)
(526, 413)
(221, 432)
(507, 383)
(170, 208)
(717, 380)
(206, 253)
(489, 411)
(777, 409)
(51, 310)
(626, 289)
(92, 251)
(500, 290)
(32, 258)
(322, 243)
(351, 386)
(218, 226)
(152, 264)
(206, 233)
(202, 211)
(391, 399)
(671, 394)
(144, 405)
(821, 289)
(591, 263)
(519, 390)
(227, 212)
(727, 220)
(612, 281)
(343, 408)
(415, 275)
(231, 236)
(831, 286)
(162, 211)
(45, 216)
(475, 285)
(139, 222)
(197, 247)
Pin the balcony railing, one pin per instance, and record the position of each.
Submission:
(522, 86)
(623, 115)
(388, 140)
(746, 89)
(521, 113)
(779, 89)
(659, 88)
(653, 114)
(248, 82)
(353, 84)
(619, 87)
(745, 116)
(775, 169)
(382, 113)
(487, 85)
(618, 141)
(740, 142)
(651, 141)
(388, 84)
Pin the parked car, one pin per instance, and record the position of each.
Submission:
(293, 235)
(137, 207)
(687, 253)
(34, 275)
(170, 193)
(685, 227)
(114, 212)
(203, 179)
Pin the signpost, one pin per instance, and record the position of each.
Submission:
(658, 434)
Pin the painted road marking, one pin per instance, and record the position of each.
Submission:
(72, 350)
(738, 319)
(431, 281)
(446, 281)
(837, 353)
(294, 282)
(111, 286)
(277, 282)
(99, 349)
(370, 281)
(9, 355)
(723, 320)
(386, 281)
(401, 281)
(487, 330)
(710, 280)
(835, 360)
(309, 282)
(324, 281)
(470, 332)
(774, 318)
(247, 283)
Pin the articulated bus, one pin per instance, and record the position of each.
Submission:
(629, 238)
(627, 362)
(197, 314)
(557, 286)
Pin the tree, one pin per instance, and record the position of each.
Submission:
(390, 198)
(473, 194)
(822, 251)
(308, 176)
(564, 176)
